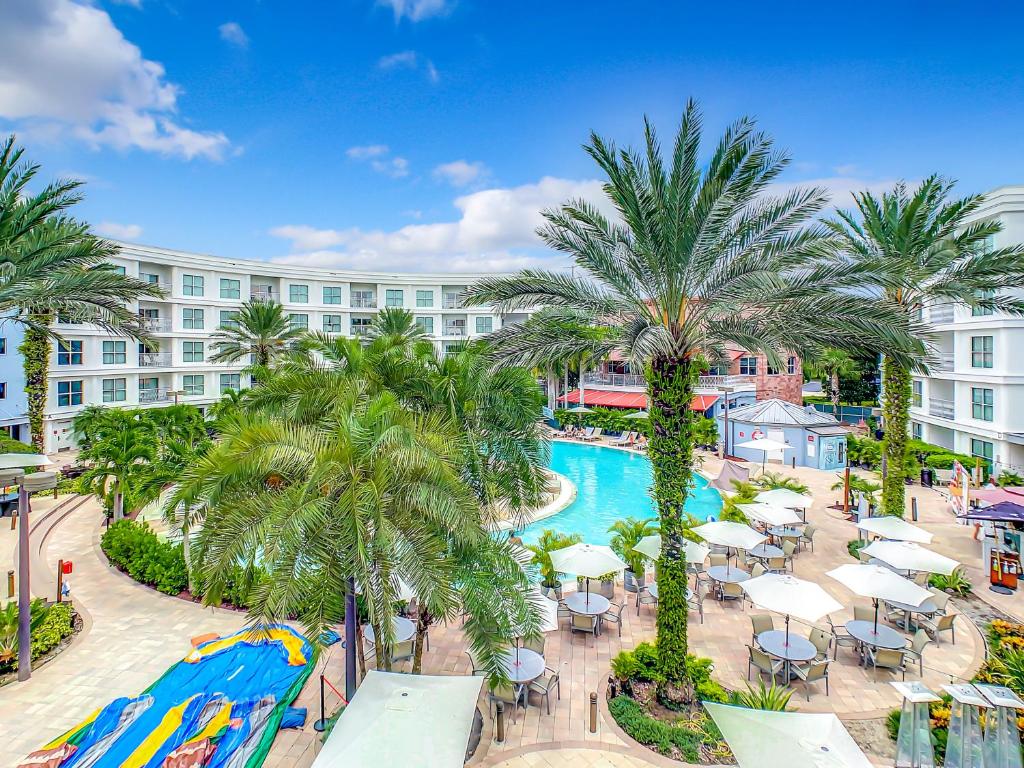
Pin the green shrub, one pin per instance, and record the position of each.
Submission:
(135, 549)
(1009, 479)
(945, 460)
(55, 626)
(854, 547)
(653, 733)
(957, 582)
(773, 699)
(640, 664)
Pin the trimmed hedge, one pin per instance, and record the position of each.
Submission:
(135, 549)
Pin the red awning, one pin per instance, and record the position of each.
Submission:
(703, 402)
(610, 399)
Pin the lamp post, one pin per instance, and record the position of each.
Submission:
(726, 391)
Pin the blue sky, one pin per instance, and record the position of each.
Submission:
(426, 134)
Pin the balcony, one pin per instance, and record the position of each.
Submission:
(364, 302)
(156, 324)
(944, 362)
(615, 379)
(455, 330)
(154, 359)
(151, 279)
(262, 293)
(453, 301)
(940, 409)
(360, 330)
(157, 395)
(730, 380)
(942, 313)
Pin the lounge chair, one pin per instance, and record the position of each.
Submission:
(641, 443)
(595, 434)
(626, 438)
(586, 433)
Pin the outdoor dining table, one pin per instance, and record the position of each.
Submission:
(727, 574)
(785, 532)
(404, 630)
(522, 665)
(866, 633)
(927, 608)
(774, 643)
(578, 602)
(765, 551)
(652, 590)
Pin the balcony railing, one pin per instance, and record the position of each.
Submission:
(157, 395)
(156, 324)
(455, 330)
(730, 380)
(944, 362)
(154, 359)
(163, 285)
(453, 301)
(942, 313)
(264, 293)
(940, 409)
(615, 379)
(361, 302)
(360, 330)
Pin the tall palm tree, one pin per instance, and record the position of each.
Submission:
(262, 333)
(830, 364)
(919, 248)
(396, 321)
(697, 257)
(51, 265)
(122, 454)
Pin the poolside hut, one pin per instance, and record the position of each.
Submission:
(816, 439)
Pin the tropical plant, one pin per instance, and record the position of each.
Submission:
(1009, 478)
(53, 266)
(121, 455)
(956, 582)
(829, 365)
(261, 333)
(857, 483)
(626, 534)
(773, 480)
(773, 698)
(918, 248)
(396, 321)
(229, 405)
(699, 255)
(705, 432)
(9, 628)
(548, 542)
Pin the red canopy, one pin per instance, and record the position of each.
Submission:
(610, 399)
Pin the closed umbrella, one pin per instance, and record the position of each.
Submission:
(586, 560)
(786, 594)
(651, 546)
(908, 556)
(766, 446)
(895, 528)
(784, 497)
(769, 514)
(879, 583)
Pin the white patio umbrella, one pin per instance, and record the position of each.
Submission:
(784, 497)
(770, 514)
(762, 739)
(895, 528)
(651, 546)
(637, 415)
(908, 556)
(879, 583)
(586, 560)
(580, 409)
(18, 460)
(786, 594)
(726, 533)
(766, 446)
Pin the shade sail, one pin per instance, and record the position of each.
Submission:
(908, 556)
(764, 444)
(730, 471)
(651, 547)
(587, 560)
(770, 514)
(1004, 512)
(784, 497)
(762, 739)
(726, 533)
(415, 721)
(786, 594)
(879, 583)
(895, 528)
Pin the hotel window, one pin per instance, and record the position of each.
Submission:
(192, 352)
(229, 289)
(332, 323)
(772, 370)
(148, 384)
(69, 393)
(484, 324)
(988, 244)
(916, 393)
(363, 299)
(982, 449)
(791, 366)
(360, 325)
(748, 366)
(981, 351)
(424, 298)
(230, 381)
(192, 285)
(425, 324)
(298, 294)
(3, 390)
(393, 297)
(114, 352)
(192, 319)
(983, 311)
(332, 294)
(718, 370)
(149, 277)
(69, 353)
(915, 430)
(298, 322)
(982, 403)
(3, 345)
(114, 390)
(194, 384)
(229, 318)
(118, 269)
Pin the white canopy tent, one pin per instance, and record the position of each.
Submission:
(908, 556)
(765, 446)
(19, 460)
(415, 721)
(894, 528)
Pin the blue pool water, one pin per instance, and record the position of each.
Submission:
(610, 485)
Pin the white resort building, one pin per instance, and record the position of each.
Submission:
(203, 293)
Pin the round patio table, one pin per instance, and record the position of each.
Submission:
(885, 637)
(765, 551)
(523, 666)
(773, 642)
(927, 608)
(785, 532)
(727, 574)
(404, 630)
(577, 603)
(652, 589)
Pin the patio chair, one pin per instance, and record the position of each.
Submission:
(916, 649)
(643, 597)
(594, 434)
(474, 664)
(821, 640)
(807, 538)
(583, 623)
(892, 614)
(843, 639)
(563, 612)
(717, 559)
(921, 578)
(939, 624)
(758, 570)
(535, 644)
(614, 615)
(507, 694)
(863, 613)
(745, 559)
(788, 550)
(626, 438)
(696, 601)
(812, 672)
(404, 650)
(763, 663)
(543, 686)
(886, 658)
(760, 622)
(734, 592)
(777, 564)
(940, 598)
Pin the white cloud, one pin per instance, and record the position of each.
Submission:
(119, 231)
(496, 230)
(232, 32)
(366, 152)
(432, 74)
(66, 70)
(132, 3)
(380, 159)
(417, 10)
(459, 173)
(402, 59)
(839, 189)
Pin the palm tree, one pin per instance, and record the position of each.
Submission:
(51, 265)
(919, 248)
(830, 364)
(395, 321)
(627, 534)
(697, 257)
(262, 333)
(122, 454)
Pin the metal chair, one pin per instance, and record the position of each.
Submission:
(760, 622)
(788, 550)
(535, 644)
(717, 559)
(474, 664)
(614, 615)
(863, 613)
(940, 598)
(843, 639)
(916, 649)
(563, 612)
(734, 592)
(584, 623)
(888, 658)
(543, 686)
(697, 601)
(777, 564)
(758, 570)
(822, 642)
(807, 537)
(507, 694)
(812, 673)
(763, 663)
(643, 597)
(921, 578)
(404, 650)
(940, 624)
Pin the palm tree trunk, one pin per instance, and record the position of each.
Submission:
(118, 502)
(185, 552)
(670, 384)
(423, 622)
(360, 656)
(35, 354)
(897, 393)
(833, 386)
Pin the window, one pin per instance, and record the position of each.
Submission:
(230, 381)
(981, 351)
(983, 311)
(988, 244)
(192, 319)
(332, 294)
(298, 322)
(718, 370)
(114, 390)
(772, 370)
(3, 390)
(192, 285)
(229, 289)
(118, 269)
(192, 352)
(229, 318)
(69, 353)
(363, 299)
(981, 403)
(425, 324)
(298, 294)
(148, 384)
(69, 393)
(332, 323)
(484, 324)
(360, 325)
(193, 383)
(3, 345)
(915, 430)
(113, 352)
(982, 449)
(149, 277)
(916, 393)
(791, 366)
(748, 366)
(393, 297)
(424, 298)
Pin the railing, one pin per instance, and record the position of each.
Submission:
(942, 313)
(157, 395)
(455, 330)
(453, 301)
(156, 324)
(941, 409)
(154, 359)
(615, 379)
(360, 330)
(944, 362)
(731, 380)
(163, 285)
(265, 293)
(361, 302)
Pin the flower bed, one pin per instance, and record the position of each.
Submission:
(52, 624)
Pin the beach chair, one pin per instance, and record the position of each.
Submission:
(595, 434)
(625, 439)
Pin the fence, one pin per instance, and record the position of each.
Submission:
(848, 414)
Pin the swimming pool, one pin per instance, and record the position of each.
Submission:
(610, 485)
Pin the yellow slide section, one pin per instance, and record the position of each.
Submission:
(292, 644)
(171, 722)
